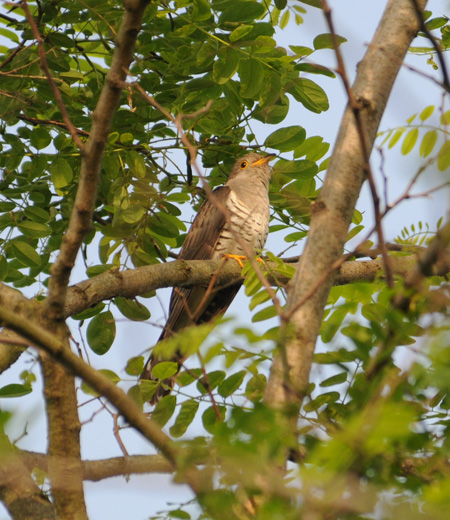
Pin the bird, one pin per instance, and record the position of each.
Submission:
(240, 209)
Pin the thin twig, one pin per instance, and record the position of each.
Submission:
(36, 121)
(117, 434)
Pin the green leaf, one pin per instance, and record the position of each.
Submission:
(34, 229)
(210, 420)
(410, 140)
(15, 390)
(294, 237)
(132, 214)
(164, 409)
(212, 380)
(137, 164)
(426, 112)
(3, 267)
(309, 94)
(187, 344)
(313, 3)
(241, 11)
(300, 50)
(132, 309)
(445, 118)
(184, 418)
(395, 138)
(436, 23)
(186, 378)
(101, 332)
(198, 84)
(428, 142)
(7, 206)
(90, 312)
(40, 138)
(280, 4)
(201, 11)
(285, 19)
(135, 366)
(341, 356)
(286, 139)
(320, 400)
(354, 231)
(335, 380)
(443, 161)
(255, 388)
(37, 214)
(326, 41)
(226, 65)
(165, 369)
(179, 513)
(61, 173)
(240, 32)
(293, 201)
(25, 253)
(303, 169)
(258, 298)
(61, 40)
(265, 314)
(251, 74)
(231, 384)
(313, 148)
(10, 35)
(272, 89)
(147, 389)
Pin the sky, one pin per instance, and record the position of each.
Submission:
(139, 497)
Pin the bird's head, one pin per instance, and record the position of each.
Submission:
(252, 165)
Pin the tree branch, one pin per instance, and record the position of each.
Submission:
(332, 213)
(18, 491)
(96, 470)
(182, 273)
(81, 216)
(123, 403)
(59, 388)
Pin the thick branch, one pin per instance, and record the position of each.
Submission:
(332, 213)
(18, 491)
(123, 403)
(96, 470)
(181, 273)
(81, 217)
(60, 395)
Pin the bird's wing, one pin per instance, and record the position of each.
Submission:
(199, 245)
(206, 228)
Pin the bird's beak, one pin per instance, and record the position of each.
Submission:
(264, 160)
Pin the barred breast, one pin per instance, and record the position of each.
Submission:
(249, 222)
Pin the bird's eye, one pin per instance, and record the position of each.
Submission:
(243, 165)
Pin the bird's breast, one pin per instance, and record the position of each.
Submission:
(249, 220)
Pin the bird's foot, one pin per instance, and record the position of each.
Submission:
(239, 259)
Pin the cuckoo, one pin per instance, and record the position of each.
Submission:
(237, 213)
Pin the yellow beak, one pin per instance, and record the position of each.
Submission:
(264, 160)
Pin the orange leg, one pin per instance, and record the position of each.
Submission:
(240, 258)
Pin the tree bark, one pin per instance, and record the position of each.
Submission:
(332, 213)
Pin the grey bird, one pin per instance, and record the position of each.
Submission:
(212, 236)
